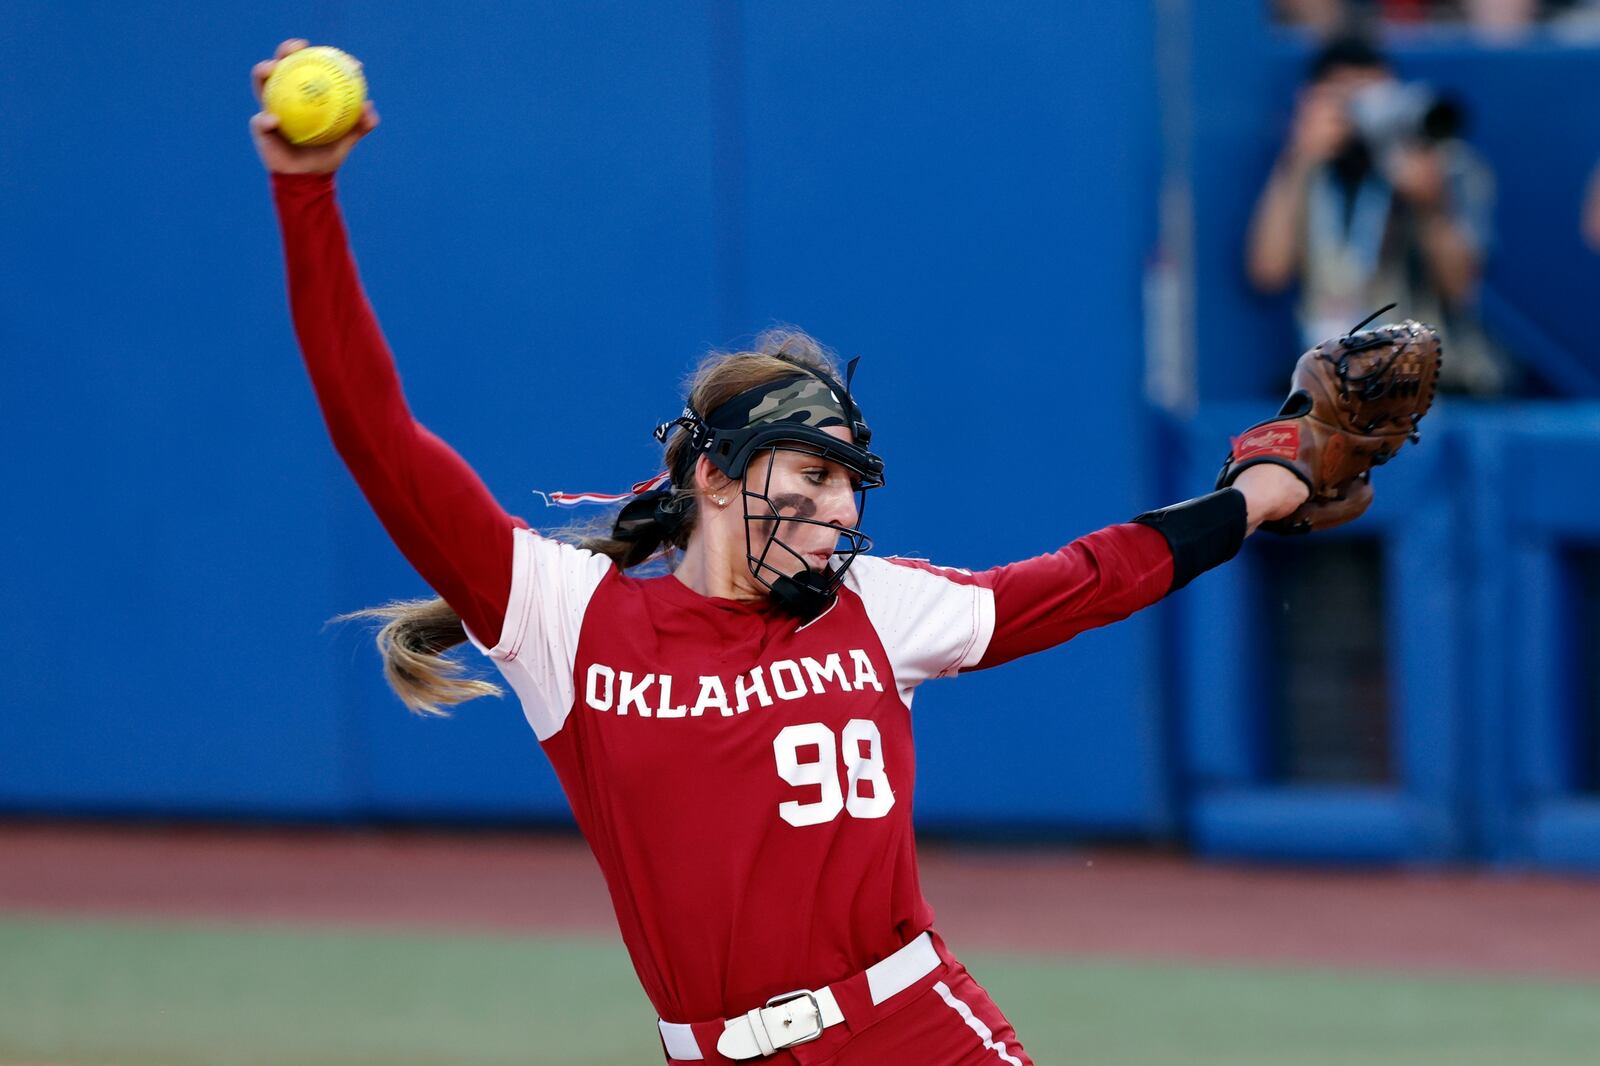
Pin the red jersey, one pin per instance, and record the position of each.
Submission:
(743, 777)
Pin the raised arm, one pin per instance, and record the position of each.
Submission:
(1272, 246)
(437, 510)
(1452, 204)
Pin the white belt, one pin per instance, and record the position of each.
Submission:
(800, 1016)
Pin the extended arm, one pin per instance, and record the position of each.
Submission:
(1111, 573)
(1272, 248)
(1452, 255)
(1451, 251)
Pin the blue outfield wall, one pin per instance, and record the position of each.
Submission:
(565, 206)
(1490, 685)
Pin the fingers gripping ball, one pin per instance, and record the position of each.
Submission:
(316, 93)
(1353, 403)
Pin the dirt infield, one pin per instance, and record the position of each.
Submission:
(1105, 904)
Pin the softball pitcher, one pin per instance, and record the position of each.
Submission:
(734, 736)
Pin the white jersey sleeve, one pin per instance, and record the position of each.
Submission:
(933, 621)
(551, 585)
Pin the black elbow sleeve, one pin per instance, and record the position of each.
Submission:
(1203, 532)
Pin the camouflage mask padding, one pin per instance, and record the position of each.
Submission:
(802, 399)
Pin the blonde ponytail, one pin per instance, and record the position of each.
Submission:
(413, 637)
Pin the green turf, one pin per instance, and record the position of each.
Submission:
(108, 994)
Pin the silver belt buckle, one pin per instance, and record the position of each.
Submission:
(793, 997)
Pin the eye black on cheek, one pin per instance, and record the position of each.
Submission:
(804, 506)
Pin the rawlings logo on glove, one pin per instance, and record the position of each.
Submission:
(1353, 402)
(1278, 439)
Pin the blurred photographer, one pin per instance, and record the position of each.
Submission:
(1376, 200)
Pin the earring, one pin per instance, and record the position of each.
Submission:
(719, 501)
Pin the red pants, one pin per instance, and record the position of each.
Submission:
(944, 1019)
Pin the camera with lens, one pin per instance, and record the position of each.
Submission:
(1392, 115)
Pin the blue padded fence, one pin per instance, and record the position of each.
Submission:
(1533, 801)
(1233, 807)
(1490, 680)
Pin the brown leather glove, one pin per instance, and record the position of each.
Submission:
(1353, 402)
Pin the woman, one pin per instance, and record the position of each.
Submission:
(734, 737)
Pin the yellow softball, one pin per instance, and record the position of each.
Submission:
(316, 93)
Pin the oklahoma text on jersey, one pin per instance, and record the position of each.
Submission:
(650, 695)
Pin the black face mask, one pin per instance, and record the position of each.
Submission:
(805, 593)
(790, 414)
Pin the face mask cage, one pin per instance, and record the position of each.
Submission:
(807, 592)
